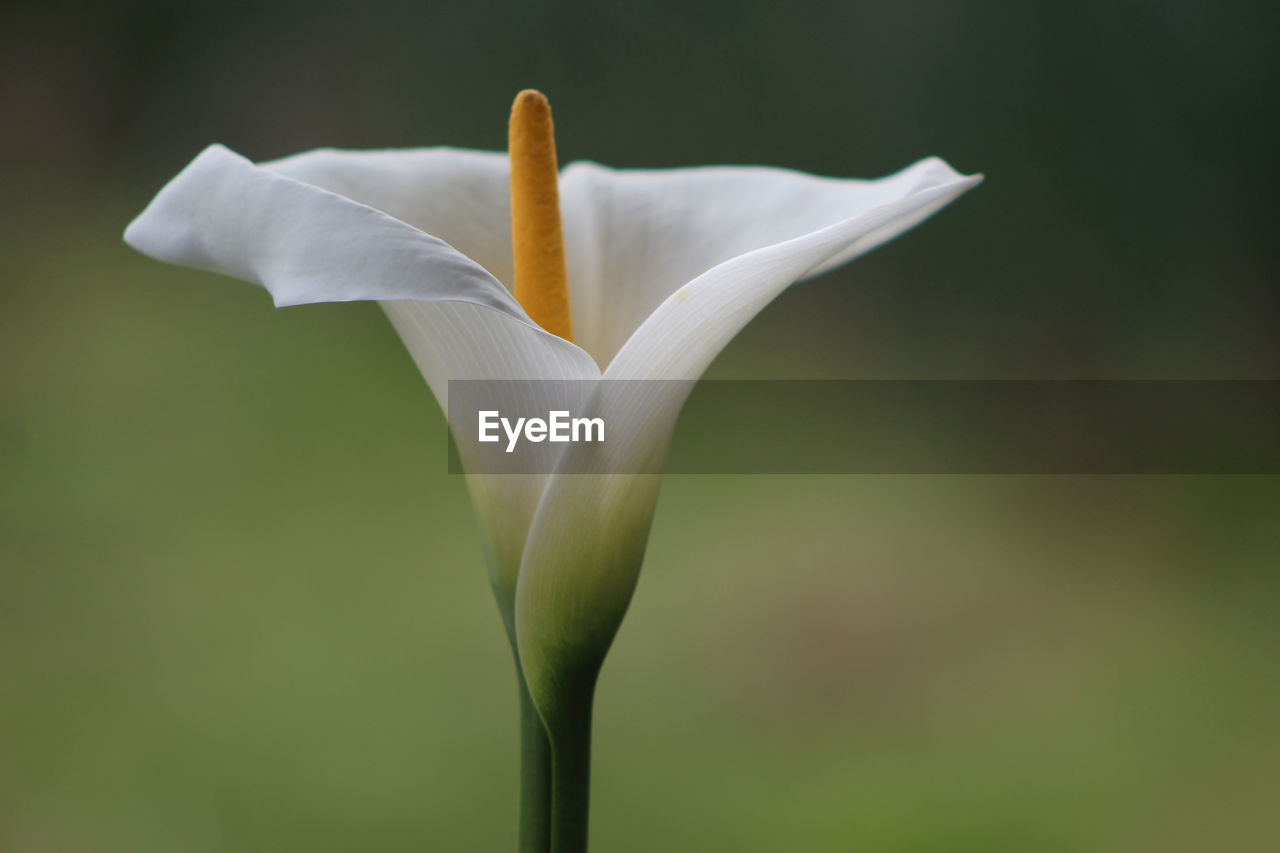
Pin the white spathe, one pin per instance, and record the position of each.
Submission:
(665, 267)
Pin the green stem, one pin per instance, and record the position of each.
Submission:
(535, 775)
(571, 770)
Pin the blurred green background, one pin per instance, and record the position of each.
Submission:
(242, 605)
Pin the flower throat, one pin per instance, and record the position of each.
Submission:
(541, 283)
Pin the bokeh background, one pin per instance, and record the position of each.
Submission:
(242, 605)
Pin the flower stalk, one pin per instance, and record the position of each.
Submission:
(535, 775)
(571, 768)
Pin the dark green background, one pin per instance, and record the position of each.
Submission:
(242, 607)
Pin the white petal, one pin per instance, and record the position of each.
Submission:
(302, 243)
(587, 541)
(306, 244)
(634, 237)
(462, 341)
(463, 197)
(688, 329)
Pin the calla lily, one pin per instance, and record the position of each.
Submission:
(664, 268)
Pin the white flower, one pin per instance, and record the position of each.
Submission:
(665, 267)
